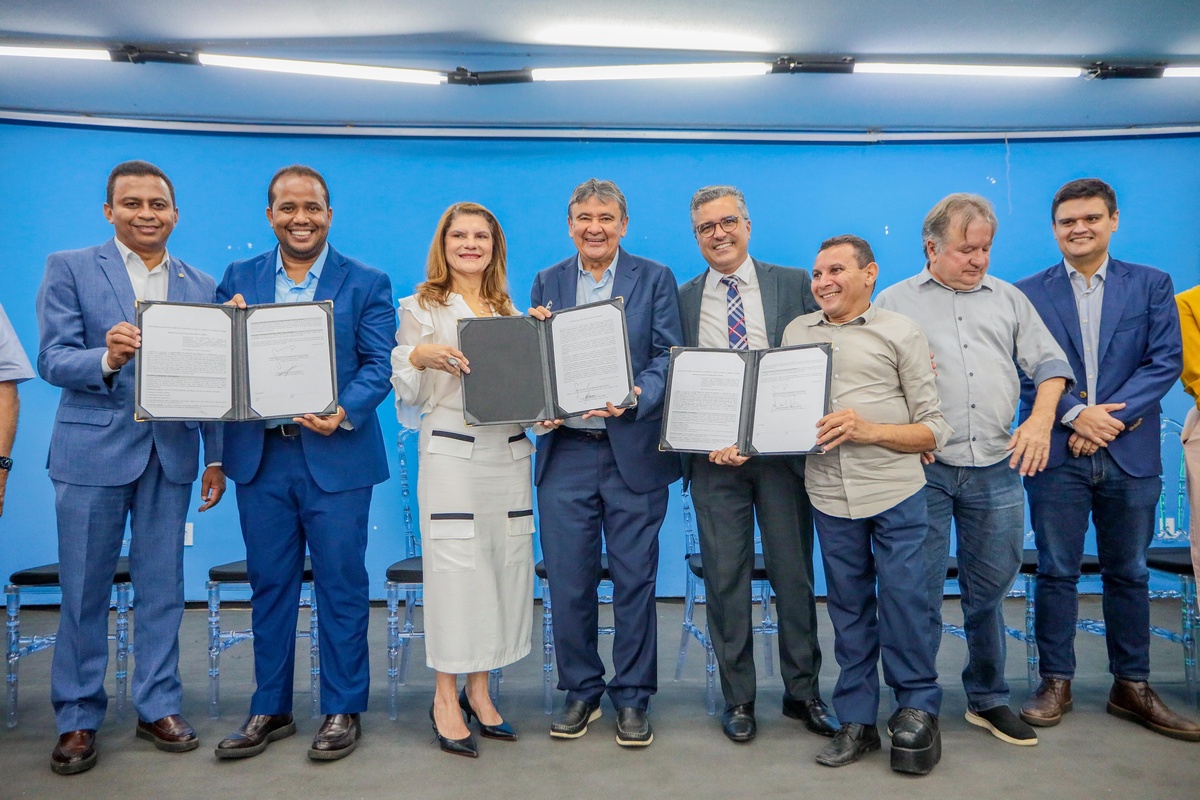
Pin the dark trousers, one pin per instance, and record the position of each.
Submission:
(582, 497)
(727, 500)
(875, 572)
(282, 510)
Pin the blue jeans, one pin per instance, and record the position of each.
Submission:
(874, 569)
(988, 508)
(1122, 509)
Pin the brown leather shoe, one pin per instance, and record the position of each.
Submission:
(1137, 702)
(258, 731)
(75, 752)
(1048, 703)
(170, 734)
(337, 738)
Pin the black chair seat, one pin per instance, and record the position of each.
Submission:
(47, 575)
(757, 573)
(406, 571)
(1029, 561)
(539, 568)
(1175, 560)
(235, 572)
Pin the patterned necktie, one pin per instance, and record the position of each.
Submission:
(737, 315)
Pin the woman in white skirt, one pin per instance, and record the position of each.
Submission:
(473, 483)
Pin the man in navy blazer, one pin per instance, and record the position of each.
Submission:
(108, 469)
(307, 481)
(1118, 324)
(603, 474)
(742, 303)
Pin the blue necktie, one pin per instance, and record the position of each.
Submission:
(737, 315)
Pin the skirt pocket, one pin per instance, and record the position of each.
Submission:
(519, 543)
(449, 443)
(521, 446)
(450, 542)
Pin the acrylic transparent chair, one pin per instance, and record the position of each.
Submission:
(44, 580)
(406, 577)
(233, 576)
(760, 588)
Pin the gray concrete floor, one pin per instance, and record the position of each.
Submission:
(1091, 754)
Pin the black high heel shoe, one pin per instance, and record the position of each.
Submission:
(504, 732)
(459, 747)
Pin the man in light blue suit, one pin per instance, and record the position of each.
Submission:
(307, 481)
(1118, 324)
(604, 474)
(108, 469)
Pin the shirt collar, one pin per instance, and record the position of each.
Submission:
(608, 273)
(746, 275)
(127, 255)
(1101, 273)
(926, 277)
(862, 319)
(314, 272)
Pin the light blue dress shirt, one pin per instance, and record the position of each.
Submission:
(590, 290)
(1089, 300)
(287, 290)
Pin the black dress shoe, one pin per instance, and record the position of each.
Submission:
(849, 744)
(813, 713)
(170, 734)
(633, 727)
(738, 722)
(337, 737)
(258, 731)
(74, 753)
(504, 732)
(572, 720)
(916, 742)
(457, 747)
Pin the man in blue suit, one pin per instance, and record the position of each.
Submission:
(307, 481)
(108, 469)
(603, 475)
(1119, 326)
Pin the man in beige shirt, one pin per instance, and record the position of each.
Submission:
(869, 510)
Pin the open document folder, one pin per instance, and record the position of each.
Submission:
(215, 362)
(524, 370)
(767, 402)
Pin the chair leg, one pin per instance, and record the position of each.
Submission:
(1031, 652)
(406, 637)
(13, 627)
(710, 673)
(547, 650)
(689, 609)
(122, 647)
(214, 650)
(768, 630)
(314, 656)
(494, 678)
(1190, 621)
(393, 648)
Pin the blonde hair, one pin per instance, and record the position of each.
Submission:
(439, 281)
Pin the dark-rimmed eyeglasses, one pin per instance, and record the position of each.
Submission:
(708, 228)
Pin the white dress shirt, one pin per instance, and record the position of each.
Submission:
(714, 309)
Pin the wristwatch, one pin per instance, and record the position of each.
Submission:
(5, 463)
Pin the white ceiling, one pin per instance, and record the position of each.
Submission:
(499, 35)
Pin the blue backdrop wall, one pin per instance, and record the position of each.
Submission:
(387, 194)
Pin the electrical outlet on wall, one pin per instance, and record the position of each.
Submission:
(187, 534)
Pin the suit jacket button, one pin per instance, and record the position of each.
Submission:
(1083, 394)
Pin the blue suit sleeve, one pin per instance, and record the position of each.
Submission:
(225, 288)
(64, 358)
(536, 292)
(666, 332)
(375, 335)
(1162, 363)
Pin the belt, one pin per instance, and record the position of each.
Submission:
(583, 434)
(289, 431)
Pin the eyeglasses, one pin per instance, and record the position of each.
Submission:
(709, 228)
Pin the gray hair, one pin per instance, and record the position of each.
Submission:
(965, 207)
(710, 193)
(604, 191)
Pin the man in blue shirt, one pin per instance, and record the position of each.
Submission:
(14, 368)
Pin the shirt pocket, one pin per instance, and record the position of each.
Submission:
(519, 542)
(449, 443)
(450, 542)
(521, 446)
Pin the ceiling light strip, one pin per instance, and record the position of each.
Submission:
(653, 71)
(325, 69)
(1181, 72)
(56, 52)
(969, 70)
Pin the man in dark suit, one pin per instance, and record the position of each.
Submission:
(603, 474)
(307, 481)
(742, 303)
(1119, 326)
(108, 469)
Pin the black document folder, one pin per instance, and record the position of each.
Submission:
(516, 377)
(766, 402)
(217, 362)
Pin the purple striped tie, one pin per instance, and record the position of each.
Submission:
(737, 315)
